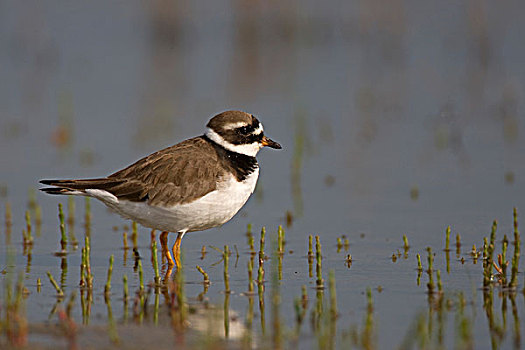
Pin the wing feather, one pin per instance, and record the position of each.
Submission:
(175, 175)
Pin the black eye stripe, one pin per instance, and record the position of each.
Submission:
(247, 129)
(244, 140)
(255, 138)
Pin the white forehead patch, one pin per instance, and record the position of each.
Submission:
(232, 126)
(235, 125)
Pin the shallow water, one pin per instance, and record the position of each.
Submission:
(394, 119)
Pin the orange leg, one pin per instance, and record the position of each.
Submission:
(176, 248)
(165, 250)
(167, 275)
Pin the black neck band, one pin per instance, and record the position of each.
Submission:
(240, 164)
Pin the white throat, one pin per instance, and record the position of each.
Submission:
(250, 149)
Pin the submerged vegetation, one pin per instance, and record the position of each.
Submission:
(158, 297)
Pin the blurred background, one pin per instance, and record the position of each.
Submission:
(384, 110)
(398, 117)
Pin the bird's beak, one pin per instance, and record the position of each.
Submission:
(270, 143)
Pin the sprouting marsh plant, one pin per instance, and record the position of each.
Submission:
(406, 246)
(107, 287)
(447, 239)
(55, 285)
(62, 225)
(318, 258)
(27, 234)
(226, 258)
(516, 256)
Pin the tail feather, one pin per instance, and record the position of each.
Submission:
(58, 190)
(78, 186)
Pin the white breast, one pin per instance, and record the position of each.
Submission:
(214, 209)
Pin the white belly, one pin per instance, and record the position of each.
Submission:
(214, 209)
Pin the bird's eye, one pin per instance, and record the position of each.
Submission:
(243, 130)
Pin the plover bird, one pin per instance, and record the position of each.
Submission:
(194, 185)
